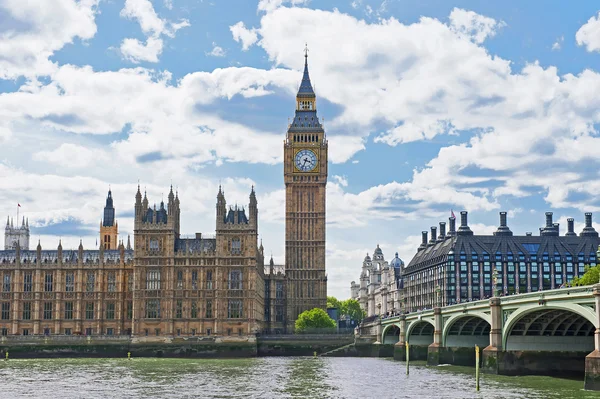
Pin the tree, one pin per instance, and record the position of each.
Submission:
(591, 276)
(314, 319)
(333, 302)
(352, 309)
(349, 307)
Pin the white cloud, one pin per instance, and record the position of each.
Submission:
(152, 26)
(271, 5)
(341, 180)
(37, 30)
(241, 34)
(72, 156)
(168, 4)
(136, 51)
(589, 34)
(558, 43)
(472, 25)
(216, 51)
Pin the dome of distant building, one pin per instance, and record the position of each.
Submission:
(396, 263)
(378, 251)
(367, 258)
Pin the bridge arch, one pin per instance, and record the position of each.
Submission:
(390, 334)
(467, 330)
(420, 332)
(554, 327)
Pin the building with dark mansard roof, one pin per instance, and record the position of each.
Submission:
(460, 266)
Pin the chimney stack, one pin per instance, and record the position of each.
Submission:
(452, 226)
(570, 227)
(588, 230)
(503, 229)
(442, 231)
(548, 219)
(433, 235)
(464, 229)
(550, 229)
(423, 240)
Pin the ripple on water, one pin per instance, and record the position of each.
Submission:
(276, 377)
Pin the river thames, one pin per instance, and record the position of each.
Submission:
(274, 377)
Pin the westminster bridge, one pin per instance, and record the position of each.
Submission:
(554, 332)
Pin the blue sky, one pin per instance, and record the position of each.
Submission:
(429, 106)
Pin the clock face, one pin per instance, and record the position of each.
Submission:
(305, 160)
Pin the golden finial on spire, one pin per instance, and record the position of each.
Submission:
(305, 50)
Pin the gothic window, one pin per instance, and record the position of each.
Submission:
(279, 314)
(27, 282)
(6, 283)
(194, 312)
(129, 281)
(48, 282)
(279, 290)
(179, 309)
(153, 280)
(89, 311)
(70, 282)
(194, 280)
(236, 246)
(5, 310)
(110, 311)
(234, 309)
(26, 310)
(154, 245)
(209, 314)
(129, 310)
(235, 280)
(112, 282)
(209, 282)
(91, 279)
(180, 279)
(47, 310)
(153, 309)
(68, 310)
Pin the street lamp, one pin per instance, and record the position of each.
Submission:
(438, 292)
(495, 281)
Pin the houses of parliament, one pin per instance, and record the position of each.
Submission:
(163, 284)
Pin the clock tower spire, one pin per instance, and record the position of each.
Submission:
(305, 176)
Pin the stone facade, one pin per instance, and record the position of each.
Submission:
(14, 235)
(109, 228)
(174, 286)
(380, 289)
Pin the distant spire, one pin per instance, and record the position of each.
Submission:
(306, 89)
(7, 221)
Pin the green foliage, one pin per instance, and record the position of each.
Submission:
(591, 276)
(314, 319)
(349, 307)
(333, 302)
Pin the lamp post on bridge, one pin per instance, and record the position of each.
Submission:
(495, 281)
(438, 292)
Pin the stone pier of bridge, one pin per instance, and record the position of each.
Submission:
(555, 332)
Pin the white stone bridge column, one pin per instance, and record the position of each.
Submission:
(493, 353)
(433, 351)
(399, 348)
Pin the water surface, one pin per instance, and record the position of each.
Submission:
(274, 377)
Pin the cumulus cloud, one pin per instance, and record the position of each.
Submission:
(558, 43)
(270, 5)
(475, 26)
(243, 35)
(216, 51)
(589, 34)
(152, 26)
(37, 30)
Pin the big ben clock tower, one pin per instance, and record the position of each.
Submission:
(305, 174)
